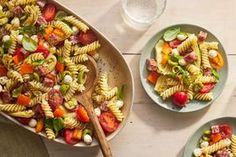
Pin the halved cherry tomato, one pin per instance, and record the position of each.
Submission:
(225, 130)
(43, 50)
(217, 62)
(26, 69)
(68, 136)
(23, 100)
(87, 37)
(108, 122)
(49, 12)
(152, 77)
(3, 70)
(82, 114)
(60, 67)
(216, 137)
(207, 87)
(175, 43)
(59, 112)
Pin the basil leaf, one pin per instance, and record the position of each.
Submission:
(60, 15)
(29, 44)
(64, 88)
(171, 34)
(120, 93)
(39, 62)
(16, 92)
(30, 30)
(58, 125)
(7, 44)
(215, 74)
(1, 51)
(42, 30)
(48, 123)
(60, 59)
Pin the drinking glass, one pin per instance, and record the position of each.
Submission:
(142, 13)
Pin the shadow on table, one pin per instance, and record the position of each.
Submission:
(119, 30)
(61, 150)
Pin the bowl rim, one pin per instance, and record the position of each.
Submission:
(204, 124)
(226, 64)
(130, 75)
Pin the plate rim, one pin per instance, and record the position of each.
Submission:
(226, 64)
(199, 128)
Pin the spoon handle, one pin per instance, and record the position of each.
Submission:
(106, 150)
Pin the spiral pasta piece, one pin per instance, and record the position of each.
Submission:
(82, 68)
(11, 107)
(111, 93)
(116, 111)
(7, 61)
(50, 134)
(38, 86)
(71, 123)
(67, 48)
(161, 84)
(73, 88)
(207, 79)
(233, 144)
(103, 83)
(13, 38)
(193, 69)
(170, 91)
(71, 66)
(79, 58)
(190, 94)
(36, 100)
(204, 96)
(22, 114)
(23, 2)
(79, 24)
(15, 76)
(217, 146)
(99, 98)
(47, 109)
(34, 13)
(34, 57)
(184, 46)
(88, 48)
(171, 82)
(10, 85)
(210, 45)
(205, 60)
(51, 62)
(63, 26)
(196, 50)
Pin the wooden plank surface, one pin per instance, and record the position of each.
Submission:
(151, 129)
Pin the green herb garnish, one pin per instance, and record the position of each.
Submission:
(29, 44)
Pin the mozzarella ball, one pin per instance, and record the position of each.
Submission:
(15, 22)
(197, 152)
(174, 52)
(57, 87)
(97, 111)
(46, 45)
(3, 80)
(182, 62)
(204, 144)
(32, 123)
(87, 139)
(119, 103)
(75, 29)
(5, 38)
(181, 37)
(19, 38)
(35, 38)
(68, 79)
(212, 53)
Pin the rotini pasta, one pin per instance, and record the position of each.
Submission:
(204, 97)
(74, 21)
(233, 144)
(22, 114)
(88, 48)
(11, 107)
(170, 91)
(50, 134)
(34, 57)
(116, 111)
(47, 109)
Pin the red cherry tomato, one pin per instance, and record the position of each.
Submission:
(49, 12)
(87, 37)
(108, 122)
(216, 137)
(82, 114)
(174, 43)
(207, 88)
(42, 50)
(225, 130)
(180, 99)
(68, 136)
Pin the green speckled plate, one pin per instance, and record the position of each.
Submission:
(193, 140)
(148, 52)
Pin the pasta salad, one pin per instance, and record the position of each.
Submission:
(218, 141)
(43, 50)
(184, 67)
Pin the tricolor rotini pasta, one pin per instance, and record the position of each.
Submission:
(185, 67)
(44, 69)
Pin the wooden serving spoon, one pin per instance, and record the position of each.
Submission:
(85, 98)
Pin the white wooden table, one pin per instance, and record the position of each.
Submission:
(153, 131)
